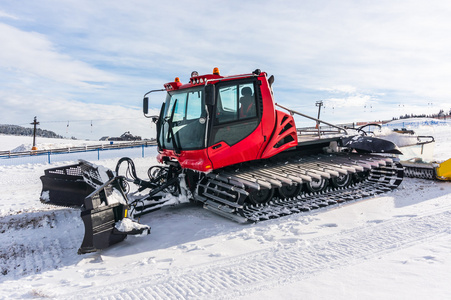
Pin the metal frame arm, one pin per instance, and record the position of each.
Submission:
(312, 118)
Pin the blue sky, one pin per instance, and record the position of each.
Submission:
(70, 62)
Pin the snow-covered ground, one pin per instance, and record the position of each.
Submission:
(393, 246)
(25, 143)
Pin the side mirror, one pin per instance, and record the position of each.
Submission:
(271, 80)
(146, 105)
(210, 94)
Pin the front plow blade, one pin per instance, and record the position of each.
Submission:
(104, 215)
(98, 193)
(100, 232)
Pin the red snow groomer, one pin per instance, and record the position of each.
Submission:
(222, 143)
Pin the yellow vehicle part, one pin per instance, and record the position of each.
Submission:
(444, 170)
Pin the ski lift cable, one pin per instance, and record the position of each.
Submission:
(79, 121)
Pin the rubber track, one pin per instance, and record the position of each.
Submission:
(221, 192)
(282, 207)
(420, 172)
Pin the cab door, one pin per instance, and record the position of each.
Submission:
(236, 134)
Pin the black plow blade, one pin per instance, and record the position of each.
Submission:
(65, 186)
(104, 215)
(98, 193)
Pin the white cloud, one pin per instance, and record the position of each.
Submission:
(357, 100)
(351, 54)
(31, 54)
(7, 16)
(341, 89)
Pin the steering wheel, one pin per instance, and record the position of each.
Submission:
(364, 132)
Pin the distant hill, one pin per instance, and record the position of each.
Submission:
(19, 130)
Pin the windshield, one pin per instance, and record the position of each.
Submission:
(184, 118)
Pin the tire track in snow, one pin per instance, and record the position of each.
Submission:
(34, 242)
(246, 273)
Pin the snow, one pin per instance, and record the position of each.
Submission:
(116, 197)
(25, 143)
(45, 196)
(393, 246)
(127, 225)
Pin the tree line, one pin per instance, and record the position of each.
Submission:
(19, 130)
(440, 115)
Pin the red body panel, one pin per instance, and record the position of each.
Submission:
(284, 128)
(247, 149)
(269, 113)
(189, 159)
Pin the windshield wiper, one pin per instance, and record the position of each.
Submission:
(160, 128)
(171, 132)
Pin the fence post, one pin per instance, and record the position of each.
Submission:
(48, 154)
(98, 153)
(142, 146)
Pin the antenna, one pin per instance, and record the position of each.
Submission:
(319, 104)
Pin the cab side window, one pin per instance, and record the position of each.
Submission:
(247, 102)
(236, 113)
(236, 102)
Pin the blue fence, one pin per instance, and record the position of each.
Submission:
(90, 154)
